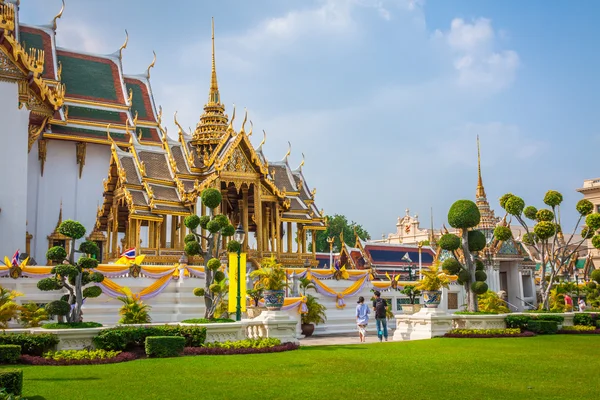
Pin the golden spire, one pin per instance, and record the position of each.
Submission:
(480, 190)
(213, 94)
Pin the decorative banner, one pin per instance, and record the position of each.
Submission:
(113, 289)
(197, 272)
(233, 280)
(350, 291)
(289, 303)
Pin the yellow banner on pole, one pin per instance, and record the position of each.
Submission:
(233, 280)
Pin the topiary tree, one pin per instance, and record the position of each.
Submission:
(71, 275)
(217, 227)
(547, 238)
(464, 216)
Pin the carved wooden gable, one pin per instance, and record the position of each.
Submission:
(8, 70)
(239, 163)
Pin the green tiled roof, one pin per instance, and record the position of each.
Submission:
(32, 40)
(88, 78)
(146, 134)
(94, 114)
(138, 100)
(69, 130)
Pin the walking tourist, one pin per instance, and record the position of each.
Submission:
(582, 305)
(568, 303)
(362, 318)
(380, 308)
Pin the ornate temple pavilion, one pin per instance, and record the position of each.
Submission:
(98, 152)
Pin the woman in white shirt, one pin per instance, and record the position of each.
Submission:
(362, 318)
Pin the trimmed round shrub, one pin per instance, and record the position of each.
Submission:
(192, 221)
(222, 220)
(553, 198)
(56, 254)
(480, 276)
(233, 246)
(587, 233)
(595, 275)
(514, 205)
(477, 240)
(479, 265)
(204, 220)
(529, 239)
(87, 263)
(199, 292)
(190, 237)
(90, 248)
(192, 248)
(592, 285)
(449, 242)
(451, 266)
(219, 276)
(92, 291)
(464, 214)
(47, 284)
(58, 307)
(584, 207)
(596, 241)
(65, 270)
(213, 226)
(593, 221)
(504, 199)
(502, 233)
(544, 230)
(213, 264)
(215, 288)
(228, 230)
(479, 287)
(464, 276)
(211, 198)
(544, 215)
(530, 212)
(72, 229)
(96, 277)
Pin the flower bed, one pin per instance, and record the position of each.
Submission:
(579, 329)
(197, 351)
(488, 333)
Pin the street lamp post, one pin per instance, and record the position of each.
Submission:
(330, 240)
(576, 274)
(239, 236)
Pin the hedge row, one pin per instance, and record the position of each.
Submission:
(124, 338)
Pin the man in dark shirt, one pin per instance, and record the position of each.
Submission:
(380, 308)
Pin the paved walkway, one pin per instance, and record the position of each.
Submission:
(328, 340)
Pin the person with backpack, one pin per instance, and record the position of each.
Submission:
(362, 318)
(380, 308)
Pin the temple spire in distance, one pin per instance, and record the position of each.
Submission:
(488, 219)
(213, 94)
(480, 190)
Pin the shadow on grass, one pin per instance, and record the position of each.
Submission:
(62, 379)
(34, 398)
(332, 347)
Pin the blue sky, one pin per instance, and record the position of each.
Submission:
(385, 98)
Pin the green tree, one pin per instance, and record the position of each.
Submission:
(216, 227)
(336, 225)
(71, 275)
(546, 237)
(464, 216)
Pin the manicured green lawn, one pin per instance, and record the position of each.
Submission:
(543, 367)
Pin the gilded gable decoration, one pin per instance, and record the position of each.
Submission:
(80, 155)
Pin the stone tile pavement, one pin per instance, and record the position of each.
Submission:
(328, 340)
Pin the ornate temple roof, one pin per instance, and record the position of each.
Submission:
(488, 219)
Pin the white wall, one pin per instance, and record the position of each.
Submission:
(80, 197)
(13, 170)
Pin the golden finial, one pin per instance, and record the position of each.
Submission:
(178, 125)
(135, 119)
(59, 71)
(113, 144)
(480, 190)
(313, 192)
(66, 111)
(302, 162)
(245, 119)
(251, 128)
(159, 116)
(60, 13)
(263, 140)
(230, 127)
(130, 98)
(213, 95)
(288, 152)
(151, 65)
(140, 135)
(124, 46)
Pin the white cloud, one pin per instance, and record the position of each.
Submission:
(479, 65)
(80, 36)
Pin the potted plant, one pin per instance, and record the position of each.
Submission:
(254, 310)
(272, 278)
(314, 315)
(412, 293)
(431, 284)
